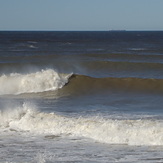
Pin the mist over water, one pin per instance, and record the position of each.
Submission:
(81, 96)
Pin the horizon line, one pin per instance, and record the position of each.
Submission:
(110, 30)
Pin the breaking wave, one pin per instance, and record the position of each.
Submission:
(50, 80)
(132, 132)
(41, 81)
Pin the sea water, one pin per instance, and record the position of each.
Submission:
(81, 97)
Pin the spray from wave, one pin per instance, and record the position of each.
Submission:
(44, 80)
(132, 132)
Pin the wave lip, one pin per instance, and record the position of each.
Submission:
(130, 132)
(41, 81)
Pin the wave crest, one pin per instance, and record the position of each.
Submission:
(44, 80)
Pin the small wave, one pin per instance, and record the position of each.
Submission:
(41, 81)
(32, 42)
(137, 49)
(132, 132)
(32, 46)
(124, 65)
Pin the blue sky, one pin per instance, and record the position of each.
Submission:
(81, 14)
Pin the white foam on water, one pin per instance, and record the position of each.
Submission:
(138, 49)
(44, 80)
(131, 132)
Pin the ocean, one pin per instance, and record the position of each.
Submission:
(85, 97)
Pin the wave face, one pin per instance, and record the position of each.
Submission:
(81, 83)
(132, 132)
(41, 81)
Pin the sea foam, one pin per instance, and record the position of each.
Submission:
(44, 80)
(131, 132)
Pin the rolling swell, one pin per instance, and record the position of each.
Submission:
(87, 84)
(121, 65)
(51, 83)
(95, 68)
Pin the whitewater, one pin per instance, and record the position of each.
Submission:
(131, 132)
(81, 97)
(44, 80)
